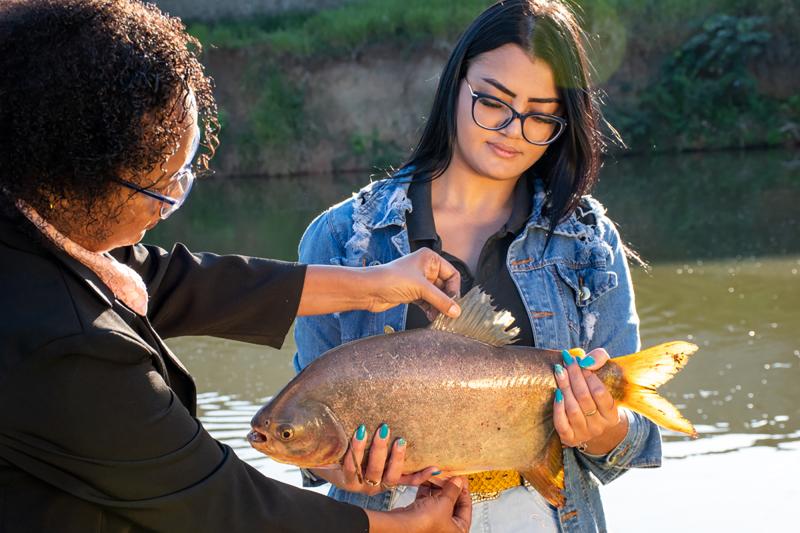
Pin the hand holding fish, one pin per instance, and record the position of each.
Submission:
(585, 414)
(379, 474)
(437, 509)
(423, 278)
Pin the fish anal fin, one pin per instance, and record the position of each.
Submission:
(479, 320)
(547, 475)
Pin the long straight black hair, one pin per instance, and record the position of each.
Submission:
(548, 30)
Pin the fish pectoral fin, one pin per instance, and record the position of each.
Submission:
(359, 475)
(547, 475)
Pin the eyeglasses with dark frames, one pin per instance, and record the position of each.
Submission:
(182, 181)
(493, 114)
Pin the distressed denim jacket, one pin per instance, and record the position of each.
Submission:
(578, 293)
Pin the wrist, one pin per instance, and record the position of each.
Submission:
(386, 522)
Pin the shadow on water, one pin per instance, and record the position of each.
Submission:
(722, 232)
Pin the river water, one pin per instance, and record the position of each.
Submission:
(722, 234)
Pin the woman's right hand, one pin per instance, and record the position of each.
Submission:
(437, 509)
(379, 474)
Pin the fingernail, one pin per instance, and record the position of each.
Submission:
(568, 359)
(436, 473)
(454, 311)
(361, 432)
(586, 361)
(559, 370)
(559, 396)
(401, 442)
(384, 431)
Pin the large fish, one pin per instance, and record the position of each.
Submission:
(463, 399)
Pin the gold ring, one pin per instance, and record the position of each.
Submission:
(387, 486)
(371, 483)
(590, 413)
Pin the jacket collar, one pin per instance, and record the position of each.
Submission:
(385, 203)
(13, 236)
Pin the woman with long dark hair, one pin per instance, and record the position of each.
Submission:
(499, 185)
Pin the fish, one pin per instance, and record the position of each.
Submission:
(461, 395)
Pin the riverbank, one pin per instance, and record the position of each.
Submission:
(347, 88)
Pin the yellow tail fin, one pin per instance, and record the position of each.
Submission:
(644, 371)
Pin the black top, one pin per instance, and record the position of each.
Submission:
(97, 426)
(492, 274)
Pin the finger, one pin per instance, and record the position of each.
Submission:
(425, 490)
(377, 454)
(578, 385)
(351, 466)
(418, 478)
(594, 360)
(462, 514)
(440, 300)
(560, 421)
(436, 267)
(606, 407)
(572, 408)
(451, 490)
(394, 468)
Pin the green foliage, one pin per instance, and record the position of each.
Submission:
(341, 30)
(380, 154)
(705, 96)
(277, 117)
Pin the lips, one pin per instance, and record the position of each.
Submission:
(503, 150)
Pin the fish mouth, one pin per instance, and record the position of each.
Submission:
(257, 440)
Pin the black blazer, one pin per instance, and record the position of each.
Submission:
(97, 417)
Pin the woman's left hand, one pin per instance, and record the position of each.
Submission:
(585, 415)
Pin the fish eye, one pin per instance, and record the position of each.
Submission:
(285, 432)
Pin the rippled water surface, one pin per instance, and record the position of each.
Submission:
(722, 234)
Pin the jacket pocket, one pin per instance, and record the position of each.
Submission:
(586, 284)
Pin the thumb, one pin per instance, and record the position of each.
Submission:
(451, 490)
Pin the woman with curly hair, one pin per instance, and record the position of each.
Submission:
(103, 105)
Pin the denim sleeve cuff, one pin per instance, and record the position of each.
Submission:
(640, 448)
(310, 480)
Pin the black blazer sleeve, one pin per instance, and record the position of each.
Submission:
(237, 297)
(99, 423)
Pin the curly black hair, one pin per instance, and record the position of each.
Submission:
(87, 91)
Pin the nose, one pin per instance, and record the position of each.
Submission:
(514, 128)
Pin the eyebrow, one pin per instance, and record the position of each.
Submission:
(499, 86)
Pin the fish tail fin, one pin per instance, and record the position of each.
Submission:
(644, 371)
(547, 476)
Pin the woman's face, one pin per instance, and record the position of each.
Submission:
(139, 212)
(528, 85)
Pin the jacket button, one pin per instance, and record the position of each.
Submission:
(585, 293)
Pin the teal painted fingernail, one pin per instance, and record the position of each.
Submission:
(568, 359)
(436, 473)
(361, 432)
(559, 396)
(559, 370)
(586, 361)
(401, 442)
(384, 431)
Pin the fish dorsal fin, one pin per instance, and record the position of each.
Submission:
(479, 320)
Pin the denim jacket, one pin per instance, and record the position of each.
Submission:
(578, 293)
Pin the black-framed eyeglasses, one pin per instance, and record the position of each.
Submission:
(178, 187)
(493, 114)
